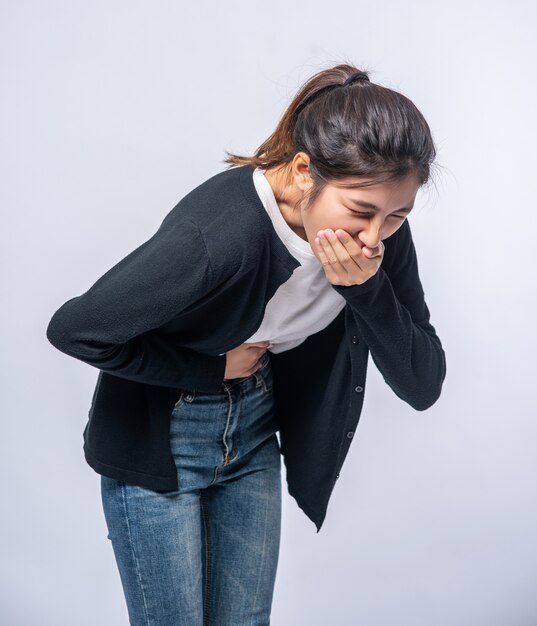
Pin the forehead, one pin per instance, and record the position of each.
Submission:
(363, 183)
(403, 188)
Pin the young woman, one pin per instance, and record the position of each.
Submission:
(250, 312)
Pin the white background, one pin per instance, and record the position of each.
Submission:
(112, 111)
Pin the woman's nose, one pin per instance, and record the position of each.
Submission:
(371, 236)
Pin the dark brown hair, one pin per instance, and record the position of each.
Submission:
(358, 130)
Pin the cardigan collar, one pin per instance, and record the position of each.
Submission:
(277, 247)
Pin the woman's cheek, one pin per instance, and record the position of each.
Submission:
(390, 230)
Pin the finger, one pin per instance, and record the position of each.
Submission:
(324, 249)
(348, 261)
(366, 252)
(327, 248)
(354, 249)
(372, 252)
(342, 266)
(378, 250)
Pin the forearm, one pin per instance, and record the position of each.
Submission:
(150, 358)
(407, 351)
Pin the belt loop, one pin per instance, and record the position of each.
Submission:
(260, 380)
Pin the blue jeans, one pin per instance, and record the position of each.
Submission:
(206, 554)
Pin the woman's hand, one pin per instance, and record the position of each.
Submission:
(346, 262)
(243, 360)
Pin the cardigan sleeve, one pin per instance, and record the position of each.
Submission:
(114, 325)
(394, 321)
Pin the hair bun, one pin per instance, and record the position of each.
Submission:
(355, 76)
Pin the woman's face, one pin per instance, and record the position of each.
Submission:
(353, 210)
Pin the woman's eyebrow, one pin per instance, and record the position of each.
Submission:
(374, 207)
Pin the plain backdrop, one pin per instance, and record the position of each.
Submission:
(110, 113)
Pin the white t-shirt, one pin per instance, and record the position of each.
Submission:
(304, 304)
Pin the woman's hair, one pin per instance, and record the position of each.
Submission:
(360, 129)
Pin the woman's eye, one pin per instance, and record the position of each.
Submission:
(401, 217)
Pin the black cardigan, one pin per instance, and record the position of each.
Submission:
(160, 319)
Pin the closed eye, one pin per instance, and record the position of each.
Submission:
(361, 214)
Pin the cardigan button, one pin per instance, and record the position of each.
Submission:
(358, 389)
(350, 434)
(355, 339)
(337, 475)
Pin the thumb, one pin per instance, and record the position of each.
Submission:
(369, 252)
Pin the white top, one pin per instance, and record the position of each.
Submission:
(306, 303)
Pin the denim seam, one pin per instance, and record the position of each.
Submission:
(215, 476)
(235, 436)
(265, 388)
(228, 417)
(263, 549)
(134, 556)
(208, 560)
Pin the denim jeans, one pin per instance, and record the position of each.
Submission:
(206, 554)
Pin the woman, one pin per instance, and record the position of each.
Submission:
(250, 312)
